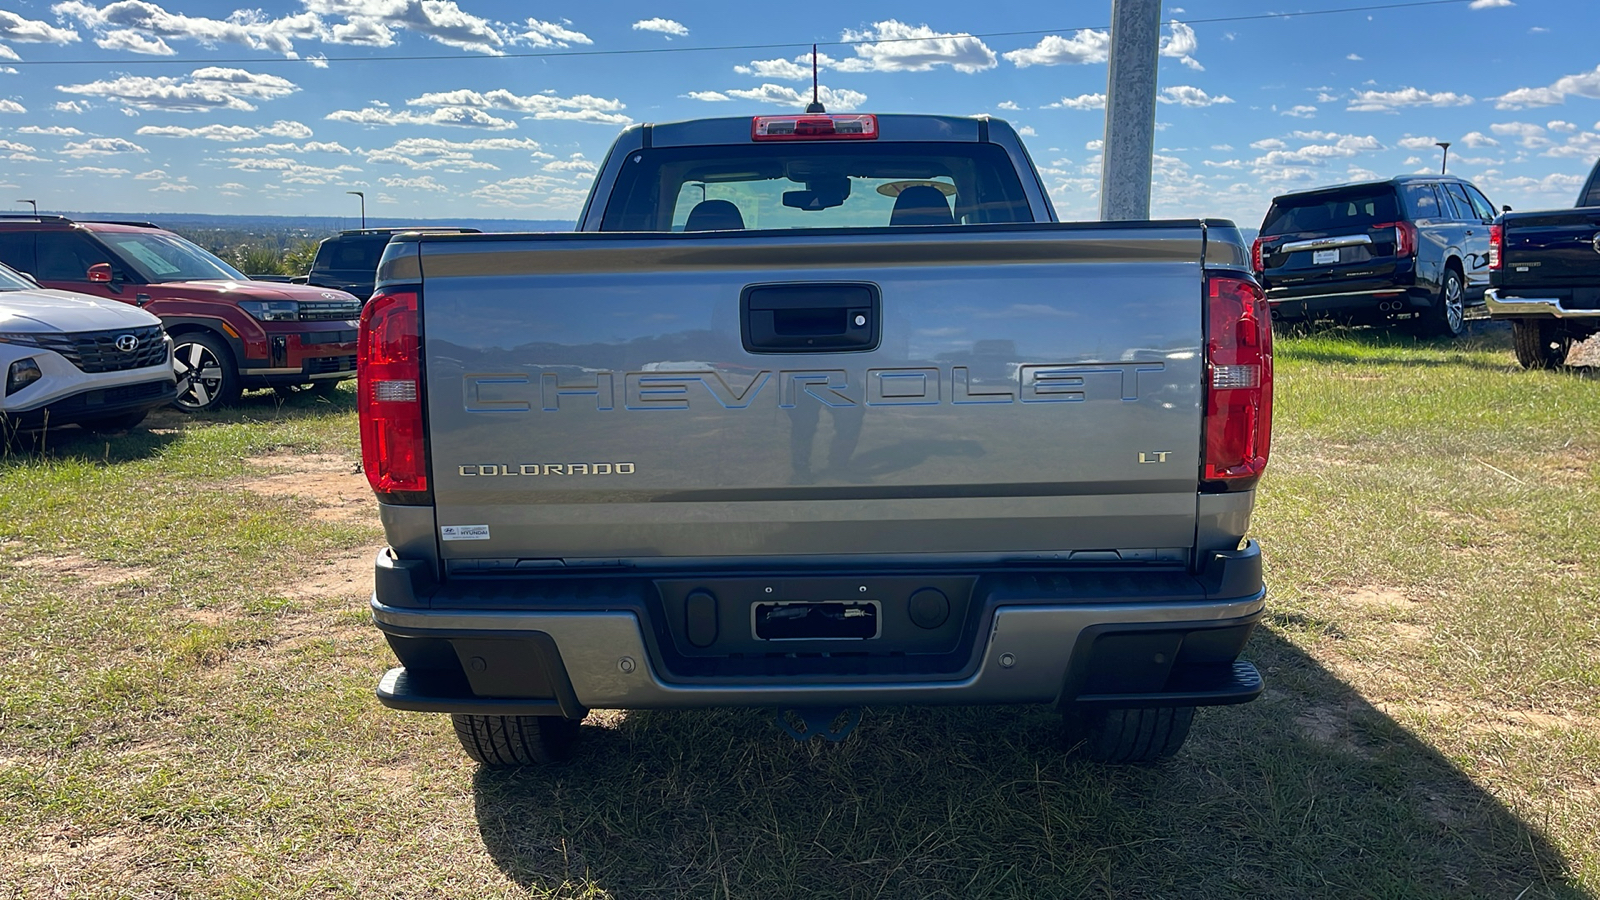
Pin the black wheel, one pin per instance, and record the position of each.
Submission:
(1540, 343)
(207, 377)
(1448, 315)
(1127, 735)
(506, 741)
(113, 424)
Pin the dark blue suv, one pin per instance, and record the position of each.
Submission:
(1411, 249)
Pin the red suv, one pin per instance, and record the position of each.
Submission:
(228, 332)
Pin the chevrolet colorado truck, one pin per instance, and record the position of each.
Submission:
(1544, 268)
(816, 412)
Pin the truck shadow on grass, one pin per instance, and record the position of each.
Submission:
(1310, 791)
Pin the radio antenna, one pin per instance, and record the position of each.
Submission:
(816, 102)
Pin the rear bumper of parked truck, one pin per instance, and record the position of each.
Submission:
(1124, 639)
(1503, 305)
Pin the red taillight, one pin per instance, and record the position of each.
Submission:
(1497, 246)
(813, 128)
(389, 394)
(1255, 256)
(1238, 382)
(1405, 237)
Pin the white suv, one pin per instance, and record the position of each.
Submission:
(71, 358)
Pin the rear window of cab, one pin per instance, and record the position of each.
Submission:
(1335, 211)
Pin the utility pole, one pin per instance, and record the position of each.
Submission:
(1126, 158)
(363, 208)
(1445, 145)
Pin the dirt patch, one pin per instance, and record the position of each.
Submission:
(1332, 727)
(346, 576)
(1377, 598)
(67, 853)
(90, 572)
(1480, 718)
(334, 482)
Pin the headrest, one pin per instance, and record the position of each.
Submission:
(714, 215)
(921, 205)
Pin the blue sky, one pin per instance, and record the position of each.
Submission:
(188, 106)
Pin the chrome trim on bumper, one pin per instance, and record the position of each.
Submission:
(1532, 307)
(1349, 240)
(1380, 292)
(1037, 641)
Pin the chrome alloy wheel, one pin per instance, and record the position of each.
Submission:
(200, 375)
(1455, 313)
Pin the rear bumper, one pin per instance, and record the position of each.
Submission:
(94, 404)
(313, 351)
(1503, 307)
(1301, 302)
(1042, 646)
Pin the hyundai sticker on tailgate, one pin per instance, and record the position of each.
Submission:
(464, 532)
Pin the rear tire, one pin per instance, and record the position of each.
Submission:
(1447, 317)
(1540, 343)
(1127, 735)
(501, 742)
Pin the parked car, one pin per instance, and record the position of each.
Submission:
(229, 332)
(1414, 249)
(74, 359)
(349, 260)
(816, 412)
(1544, 268)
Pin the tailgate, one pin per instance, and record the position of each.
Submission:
(1021, 392)
(1555, 249)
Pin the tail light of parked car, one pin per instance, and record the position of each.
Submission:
(1497, 246)
(389, 398)
(1238, 421)
(1405, 237)
(1255, 256)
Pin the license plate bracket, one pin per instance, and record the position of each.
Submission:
(812, 620)
(1325, 257)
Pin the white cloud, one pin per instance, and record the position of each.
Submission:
(1300, 112)
(209, 132)
(134, 42)
(285, 129)
(1417, 143)
(1527, 134)
(1007, 105)
(575, 164)
(1222, 146)
(99, 170)
(1584, 84)
(8, 53)
(708, 96)
(550, 34)
(1084, 47)
(784, 69)
(1354, 57)
(1027, 131)
(1080, 102)
(420, 183)
(453, 116)
(456, 156)
(209, 88)
(29, 31)
(372, 23)
(101, 146)
(1096, 144)
(835, 100)
(1188, 95)
(578, 108)
(1268, 144)
(12, 106)
(1488, 4)
(533, 191)
(174, 187)
(1585, 146)
(1476, 139)
(71, 106)
(57, 130)
(1412, 160)
(152, 175)
(664, 26)
(1224, 164)
(1389, 101)
(898, 47)
(1180, 44)
(1564, 127)
(15, 147)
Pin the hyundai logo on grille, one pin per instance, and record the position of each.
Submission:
(127, 343)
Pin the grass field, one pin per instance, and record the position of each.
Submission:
(186, 676)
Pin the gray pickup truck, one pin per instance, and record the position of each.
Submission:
(1544, 268)
(816, 412)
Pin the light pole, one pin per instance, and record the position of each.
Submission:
(34, 204)
(1445, 145)
(363, 208)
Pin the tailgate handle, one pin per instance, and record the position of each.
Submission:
(810, 318)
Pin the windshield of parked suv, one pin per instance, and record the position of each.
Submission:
(11, 281)
(815, 186)
(1329, 212)
(351, 253)
(167, 257)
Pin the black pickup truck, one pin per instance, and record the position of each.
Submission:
(1544, 275)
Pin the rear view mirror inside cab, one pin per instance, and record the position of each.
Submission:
(825, 193)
